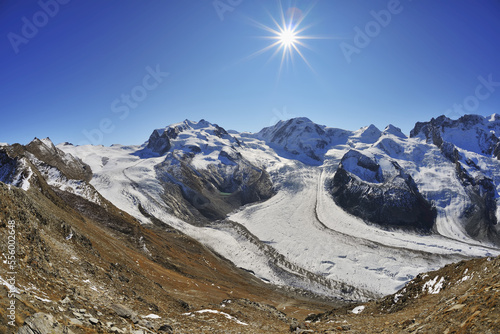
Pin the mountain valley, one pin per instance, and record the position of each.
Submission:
(202, 229)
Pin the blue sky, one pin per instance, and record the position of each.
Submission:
(112, 71)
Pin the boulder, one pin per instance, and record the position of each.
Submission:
(42, 323)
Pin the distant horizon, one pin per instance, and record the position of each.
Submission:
(244, 131)
(109, 72)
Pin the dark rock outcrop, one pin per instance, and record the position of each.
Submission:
(479, 131)
(479, 218)
(159, 142)
(386, 201)
(73, 168)
(42, 323)
(8, 167)
(213, 192)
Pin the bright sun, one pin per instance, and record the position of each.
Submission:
(287, 36)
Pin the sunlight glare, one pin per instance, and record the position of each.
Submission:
(287, 37)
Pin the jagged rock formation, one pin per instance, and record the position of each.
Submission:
(71, 167)
(215, 189)
(470, 132)
(477, 133)
(360, 187)
(41, 323)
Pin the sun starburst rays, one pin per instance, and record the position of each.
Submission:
(286, 37)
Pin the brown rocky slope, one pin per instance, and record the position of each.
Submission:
(459, 298)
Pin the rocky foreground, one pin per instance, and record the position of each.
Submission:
(460, 298)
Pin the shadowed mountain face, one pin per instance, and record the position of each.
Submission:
(226, 182)
(360, 187)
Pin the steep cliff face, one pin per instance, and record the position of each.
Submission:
(391, 200)
(10, 169)
(473, 133)
(203, 174)
(455, 139)
(223, 186)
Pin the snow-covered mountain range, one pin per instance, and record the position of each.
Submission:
(345, 214)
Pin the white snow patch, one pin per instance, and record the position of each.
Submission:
(230, 317)
(43, 299)
(465, 278)
(151, 316)
(358, 309)
(433, 286)
(399, 295)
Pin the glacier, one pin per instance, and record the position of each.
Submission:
(298, 236)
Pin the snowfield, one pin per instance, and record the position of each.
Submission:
(300, 232)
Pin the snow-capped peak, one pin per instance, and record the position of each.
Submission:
(191, 136)
(494, 117)
(473, 133)
(202, 126)
(366, 135)
(296, 127)
(392, 130)
(370, 131)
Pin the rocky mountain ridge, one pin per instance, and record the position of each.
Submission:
(323, 214)
(197, 177)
